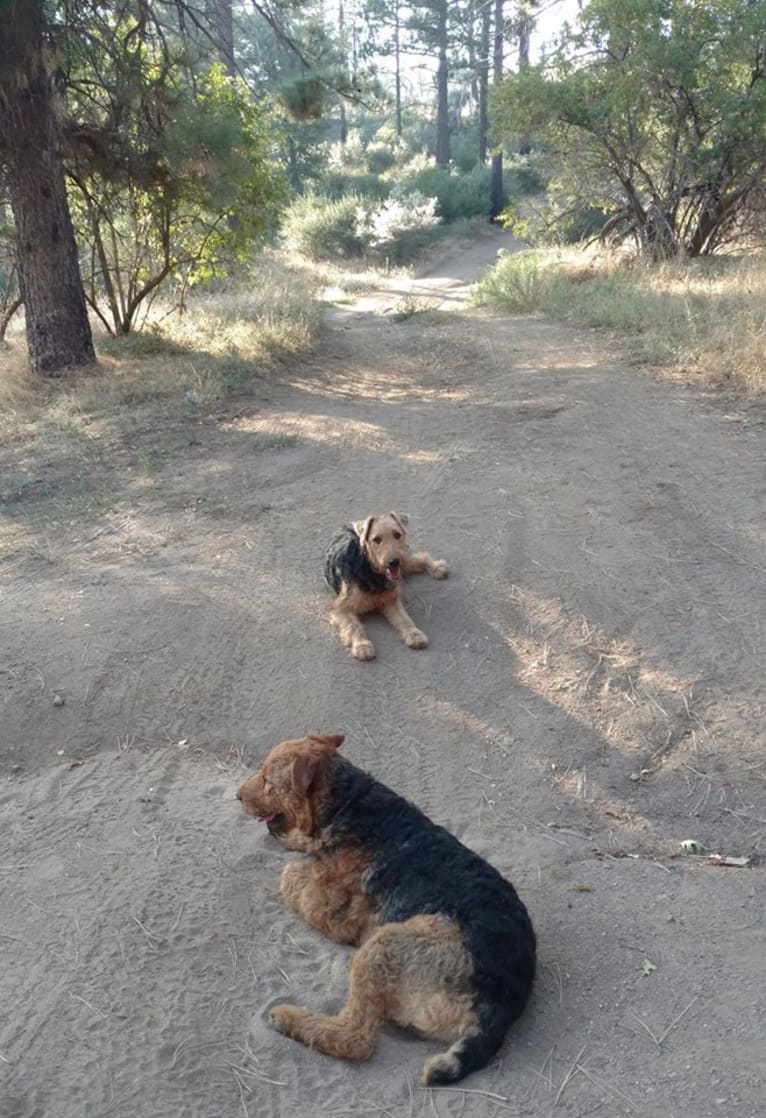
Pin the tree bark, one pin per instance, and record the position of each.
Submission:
(484, 82)
(58, 330)
(398, 72)
(343, 121)
(442, 91)
(496, 178)
(526, 26)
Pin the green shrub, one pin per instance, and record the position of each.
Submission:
(457, 195)
(465, 150)
(379, 158)
(580, 224)
(518, 283)
(339, 183)
(401, 227)
(521, 178)
(322, 228)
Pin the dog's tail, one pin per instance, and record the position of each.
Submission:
(472, 1050)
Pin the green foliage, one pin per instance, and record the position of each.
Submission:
(340, 182)
(321, 228)
(186, 186)
(516, 284)
(379, 158)
(394, 230)
(657, 109)
(458, 196)
(555, 219)
(401, 227)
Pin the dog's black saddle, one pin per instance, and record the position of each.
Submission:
(346, 562)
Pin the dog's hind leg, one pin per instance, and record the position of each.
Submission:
(415, 974)
(351, 1035)
(352, 632)
(418, 561)
(397, 616)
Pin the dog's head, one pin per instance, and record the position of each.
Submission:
(383, 539)
(287, 791)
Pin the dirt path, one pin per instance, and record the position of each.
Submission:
(593, 695)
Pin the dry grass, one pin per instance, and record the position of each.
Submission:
(223, 341)
(702, 318)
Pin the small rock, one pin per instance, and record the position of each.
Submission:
(58, 700)
(635, 777)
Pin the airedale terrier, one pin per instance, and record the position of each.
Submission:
(446, 945)
(364, 566)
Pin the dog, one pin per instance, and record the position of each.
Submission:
(446, 947)
(364, 567)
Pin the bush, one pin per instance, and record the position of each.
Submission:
(379, 158)
(323, 228)
(457, 195)
(401, 227)
(517, 284)
(555, 221)
(522, 178)
(340, 183)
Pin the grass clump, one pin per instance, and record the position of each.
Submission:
(220, 343)
(702, 317)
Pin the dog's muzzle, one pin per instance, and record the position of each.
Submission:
(394, 570)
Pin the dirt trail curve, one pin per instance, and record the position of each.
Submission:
(592, 696)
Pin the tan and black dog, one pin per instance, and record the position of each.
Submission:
(446, 947)
(364, 566)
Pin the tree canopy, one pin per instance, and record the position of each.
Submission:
(657, 111)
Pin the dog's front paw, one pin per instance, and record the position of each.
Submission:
(363, 650)
(439, 569)
(416, 639)
(284, 1018)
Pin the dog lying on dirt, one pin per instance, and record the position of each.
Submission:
(447, 947)
(364, 566)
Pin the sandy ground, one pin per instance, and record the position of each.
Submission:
(592, 696)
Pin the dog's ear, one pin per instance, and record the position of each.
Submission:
(333, 740)
(304, 773)
(306, 765)
(363, 529)
(401, 519)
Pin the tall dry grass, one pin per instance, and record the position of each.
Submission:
(700, 317)
(224, 340)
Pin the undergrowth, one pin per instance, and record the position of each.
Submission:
(699, 317)
(223, 340)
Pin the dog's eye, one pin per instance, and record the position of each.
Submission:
(376, 539)
(397, 535)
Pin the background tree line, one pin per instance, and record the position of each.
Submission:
(152, 144)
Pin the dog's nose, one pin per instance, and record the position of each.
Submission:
(394, 562)
(239, 795)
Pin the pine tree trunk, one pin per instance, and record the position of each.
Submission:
(484, 82)
(343, 122)
(496, 178)
(58, 330)
(526, 25)
(398, 78)
(442, 91)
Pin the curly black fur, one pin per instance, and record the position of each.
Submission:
(346, 562)
(419, 868)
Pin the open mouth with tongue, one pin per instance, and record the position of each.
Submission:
(274, 820)
(394, 571)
